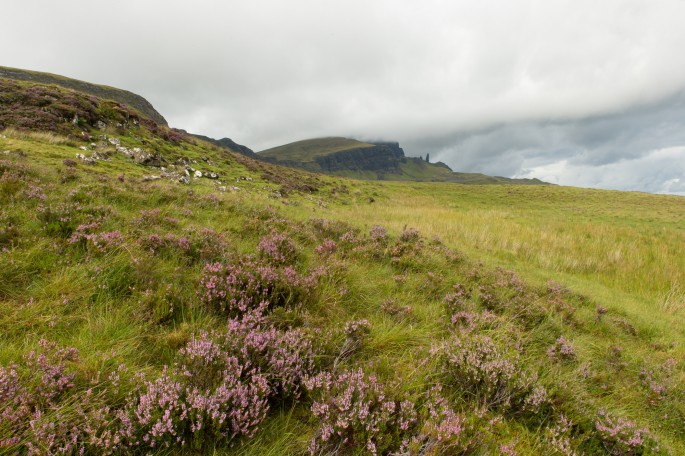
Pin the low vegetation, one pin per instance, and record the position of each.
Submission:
(265, 310)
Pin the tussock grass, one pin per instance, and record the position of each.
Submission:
(45, 137)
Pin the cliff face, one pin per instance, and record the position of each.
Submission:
(383, 157)
(110, 93)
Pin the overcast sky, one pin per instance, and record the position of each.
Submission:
(577, 92)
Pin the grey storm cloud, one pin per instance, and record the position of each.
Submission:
(579, 93)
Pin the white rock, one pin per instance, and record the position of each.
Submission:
(198, 173)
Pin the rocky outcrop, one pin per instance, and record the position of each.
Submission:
(384, 157)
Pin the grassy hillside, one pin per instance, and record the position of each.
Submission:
(353, 162)
(264, 310)
(308, 150)
(110, 93)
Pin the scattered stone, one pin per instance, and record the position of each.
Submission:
(182, 161)
(222, 188)
(211, 175)
(99, 156)
(198, 173)
(147, 159)
(93, 145)
(115, 141)
(83, 148)
(86, 160)
(6, 152)
(150, 177)
(235, 189)
(184, 180)
(100, 125)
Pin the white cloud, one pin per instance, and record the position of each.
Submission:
(659, 171)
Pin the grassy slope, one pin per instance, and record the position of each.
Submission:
(122, 96)
(623, 251)
(306, 151)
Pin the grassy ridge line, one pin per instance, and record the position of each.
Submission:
(102, 91)
(307, 151)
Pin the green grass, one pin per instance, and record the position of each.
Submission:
(309, 149)
(617, 259)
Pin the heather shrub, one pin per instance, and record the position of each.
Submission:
(378, 235)
(562, 350)
(409, 235)
(236, 288)
(32, 390)
(657, 382)
(168, 244)
(459, 299)
(467, 321)
(284, 357)
(490, 374)
(187, 407)
(85, 236)
(277, 249)
(327, 248)
(443, 431)
(623, 437)
(356, 412)
(207, 245)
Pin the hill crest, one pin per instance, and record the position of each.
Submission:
(372, 161)
(101, 91)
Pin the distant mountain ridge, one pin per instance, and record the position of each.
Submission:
(372, 161)
(101, 91)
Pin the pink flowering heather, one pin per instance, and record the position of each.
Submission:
(458, 299)
(623, 437)
(35, 192)
(488, 373)
(284, 358)
(236, 288)
(207, 245)
(378, 234)
(443, 431)
(558, 437)
(277, 249)
(29, 392)
(357, 329)
(658, 382)
(99, 242)
(357, 412)
(409, 235)
(169, 242)
(562, 350)
(327, 248)
(467, 322)
(174, 410)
